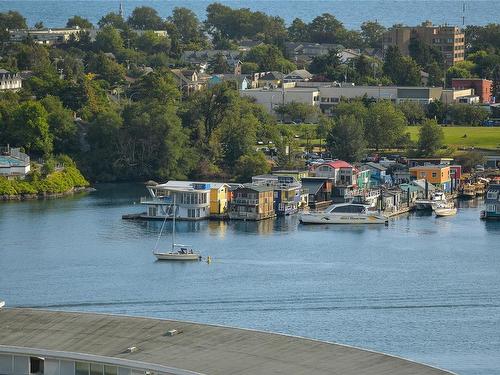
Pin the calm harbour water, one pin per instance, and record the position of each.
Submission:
(352, 13)
(423, 288)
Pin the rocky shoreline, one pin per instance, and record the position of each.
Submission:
(25, 197)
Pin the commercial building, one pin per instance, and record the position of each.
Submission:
(271, 99)
(483, 88)
(72, 343)
(332, 95)
(48, 36)
(461, 96)
(450, 40)
(438, 175)
(10, 81)
(252, 202)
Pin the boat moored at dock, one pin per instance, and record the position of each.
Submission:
(344, 213)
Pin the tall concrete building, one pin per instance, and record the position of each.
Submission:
(450, 40)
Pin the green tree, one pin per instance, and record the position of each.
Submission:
(352, 108)
(327, 65)
(431, 138)
(385, 125)
(30, 129)
(158, 85)
(107, 68)
(372, 32)
(269, 57)
(77, 21)
(39, 25)
(298, 31)
(187, 24)
(468, 160)
(326, 29)
(112, 19)
(155, 142)
(108, 39)
(10, 20)
(465, 114)
(103, 137)
(413, 111)
(298, 112)
(250, 165)
(219, 64)
(152, 43)
(145, 18)
(249, 67)
(400, 69)
(346, 139)
(62, 126)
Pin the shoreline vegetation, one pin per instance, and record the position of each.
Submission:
(56, 184)
(111, 99)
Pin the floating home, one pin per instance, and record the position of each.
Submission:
(193, 200)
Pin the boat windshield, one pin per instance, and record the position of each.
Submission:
(349, 209)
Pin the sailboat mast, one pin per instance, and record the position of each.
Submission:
(173, 226)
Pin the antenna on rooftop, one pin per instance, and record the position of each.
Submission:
(463, 14)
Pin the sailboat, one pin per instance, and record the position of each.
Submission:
(178, 252)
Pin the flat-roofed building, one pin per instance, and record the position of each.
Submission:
(71, 343)
(450, 40)
(483, 88)
(272, 99)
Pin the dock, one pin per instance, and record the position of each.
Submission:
(68, 342)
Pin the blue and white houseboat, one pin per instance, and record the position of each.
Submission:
(492, 202)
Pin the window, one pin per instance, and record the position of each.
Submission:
(36, 365)
(110, 370)
(96, 369)
(434, 174)
(422, 174)
(82, 368)
(492, 195)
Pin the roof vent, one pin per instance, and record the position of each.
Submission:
(172, 332)
(132, 349)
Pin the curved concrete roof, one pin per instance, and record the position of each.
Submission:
(198, 348)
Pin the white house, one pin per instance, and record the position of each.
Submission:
(9, 80)
(192, 200)
(14, 163)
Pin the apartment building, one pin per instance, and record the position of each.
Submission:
(450, 40)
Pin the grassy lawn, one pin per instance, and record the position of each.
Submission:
(477, 137)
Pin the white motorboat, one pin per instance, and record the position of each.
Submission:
(344, 213)
(178, 252)
(427, 204)
(445, 211)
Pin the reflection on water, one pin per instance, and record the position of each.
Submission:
(422, 287)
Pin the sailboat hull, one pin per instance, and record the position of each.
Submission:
(177, 257)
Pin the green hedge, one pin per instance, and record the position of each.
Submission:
(57, 182)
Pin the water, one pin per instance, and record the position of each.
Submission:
(351, 12)
(423, 288)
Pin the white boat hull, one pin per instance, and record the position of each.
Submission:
(177, 257)
(445, 211)
(325, 218)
